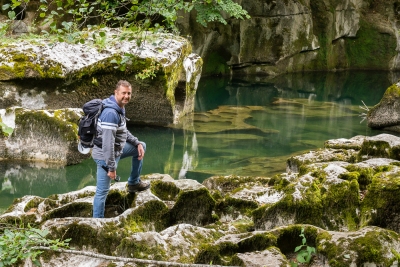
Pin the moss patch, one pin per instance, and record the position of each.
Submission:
(371, 49)
(194, 207)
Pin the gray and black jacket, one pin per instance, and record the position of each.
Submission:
(112, 133)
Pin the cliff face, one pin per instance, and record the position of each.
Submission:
(300, 35)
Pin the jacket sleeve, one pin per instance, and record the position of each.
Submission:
(109, 125)
(132, 139)
(108, 148)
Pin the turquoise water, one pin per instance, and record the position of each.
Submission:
(240, 127)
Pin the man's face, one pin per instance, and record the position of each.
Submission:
(123, 95)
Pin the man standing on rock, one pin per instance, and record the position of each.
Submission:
(115, 142)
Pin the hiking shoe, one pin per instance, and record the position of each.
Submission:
(141, 186)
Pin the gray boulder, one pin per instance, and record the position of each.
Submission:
(67, 75)
(386, 114)
(40, 135)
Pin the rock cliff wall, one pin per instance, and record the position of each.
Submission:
(293, 36)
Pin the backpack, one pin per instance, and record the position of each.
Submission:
(87, 124)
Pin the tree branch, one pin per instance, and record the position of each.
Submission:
(106, 257)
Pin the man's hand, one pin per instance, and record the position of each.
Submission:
(112, 175)
(140, 151)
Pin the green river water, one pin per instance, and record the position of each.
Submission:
(240, 127)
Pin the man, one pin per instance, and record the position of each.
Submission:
(115, 142)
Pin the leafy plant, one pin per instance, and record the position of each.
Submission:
(67, 16)
(84, 20)
(17, 243)
(5, 129)
(304, 252)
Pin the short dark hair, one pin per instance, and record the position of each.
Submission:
(123, 83)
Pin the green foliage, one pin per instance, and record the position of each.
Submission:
(17, 244)
(3, 28)
(5, 129)
(304, 252)
(67, 17)
(84, 20)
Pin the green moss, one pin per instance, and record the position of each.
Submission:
(391, 92)
(216, 195)
(166, 191)
(53, 197)
(54, 127)
(232, 205)
(208, 255)
(349, 176)
(84, 236)
(131, 248)
(371, 49)
(330, 207)
(19, 221)
(378, 149)
(381, 201)
(27, 63)
(75, 209)
(307, 210)
(364, 175)
(193, 207)
(303, 169)
(243, 226)
(341, 203)
(33, 203)
(228, 248)
(369, 249)
(151, 216)
(384, 168)
(257, 242)
(288, 237)
(50, 204)
(81, 235)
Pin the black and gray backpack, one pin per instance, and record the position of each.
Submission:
(87, 124)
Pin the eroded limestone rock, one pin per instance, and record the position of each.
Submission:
(40, 135)
(63, 75)
(347, 209)
(295, 36)
(386, 114)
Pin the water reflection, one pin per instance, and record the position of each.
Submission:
(242, 127)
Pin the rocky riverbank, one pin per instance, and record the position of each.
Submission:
(344, 196)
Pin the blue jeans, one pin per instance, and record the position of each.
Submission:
(103, 181)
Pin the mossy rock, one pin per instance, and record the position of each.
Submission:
(368, 245)
(44, 135)
(387, 112)
(83, 234)
(74, 209)
(380, 146)
(165, 190)
(194, 207)
(235, 207)
(151, 216)
(380, 205)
